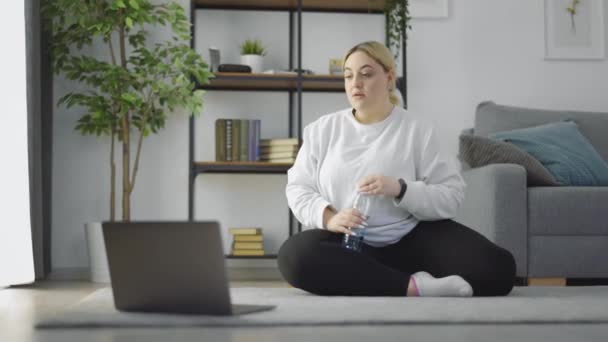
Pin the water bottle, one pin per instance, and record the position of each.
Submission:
(354, 241)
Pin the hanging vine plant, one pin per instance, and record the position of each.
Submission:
(397, 23)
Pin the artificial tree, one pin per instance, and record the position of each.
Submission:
(137, 86)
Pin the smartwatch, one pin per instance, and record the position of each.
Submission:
(403, 189)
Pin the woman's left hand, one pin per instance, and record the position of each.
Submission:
(379, 185)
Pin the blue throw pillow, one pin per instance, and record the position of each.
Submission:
(563, 150)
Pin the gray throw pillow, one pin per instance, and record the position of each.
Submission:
(477, 151)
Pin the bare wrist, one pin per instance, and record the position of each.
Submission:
(328, 213)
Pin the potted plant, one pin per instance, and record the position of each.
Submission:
(130, 93)
(252, 54)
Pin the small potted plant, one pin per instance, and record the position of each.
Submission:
(252, 54)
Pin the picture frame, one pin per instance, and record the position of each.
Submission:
(578, 36)
(429, 8)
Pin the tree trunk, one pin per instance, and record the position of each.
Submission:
(112, 179)
(113, 136)
(126, 168)
(126, 142)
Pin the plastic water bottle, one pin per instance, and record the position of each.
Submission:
(354, 241)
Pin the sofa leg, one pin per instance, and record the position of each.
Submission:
(546, 281)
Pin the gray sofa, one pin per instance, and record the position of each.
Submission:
(552, 231)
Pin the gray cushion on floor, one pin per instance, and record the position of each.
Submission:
(296, 307)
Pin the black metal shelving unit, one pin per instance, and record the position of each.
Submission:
(294, 85)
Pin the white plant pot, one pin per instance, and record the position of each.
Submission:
(256, 62)
(98, 260)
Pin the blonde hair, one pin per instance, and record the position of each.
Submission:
(383, 56)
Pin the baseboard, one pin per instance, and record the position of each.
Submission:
(520, 281)
(252, 269)
(238, 270)
(69, 273)
(546, 281)
(245, 270)
(251, 263)
(587, 281)
(253, 274)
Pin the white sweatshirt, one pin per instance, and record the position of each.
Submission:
(337, 151)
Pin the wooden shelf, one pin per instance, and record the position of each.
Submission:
(266, 256)
(241, 167)
(356, 6)
(280, 82)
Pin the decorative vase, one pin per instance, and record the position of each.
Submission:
(256, 62)
(99, 271)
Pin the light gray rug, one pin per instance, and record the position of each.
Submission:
(587, 304)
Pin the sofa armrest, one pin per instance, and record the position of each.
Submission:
(495, 205)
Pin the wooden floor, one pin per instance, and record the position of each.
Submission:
(20, 306)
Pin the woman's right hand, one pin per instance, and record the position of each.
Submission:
(345, 218)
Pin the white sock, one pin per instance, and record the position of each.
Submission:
(450, 286)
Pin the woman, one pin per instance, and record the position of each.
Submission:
(378, 149)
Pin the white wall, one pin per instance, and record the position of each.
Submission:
(486, 49)
(16, 253)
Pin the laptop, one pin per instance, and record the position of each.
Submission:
(170, 267)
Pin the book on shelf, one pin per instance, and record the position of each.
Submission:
(228, 140)
(244, 140)
(279, 141)
(237, 139)
(275, 155)
(220, 140)
(279, 148)
(248, 252)
(254, 140)
(247, 245)
(247, 241)
(281, 160)
(279, 72)
(245, 231)
(241, 237)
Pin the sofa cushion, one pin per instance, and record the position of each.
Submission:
(491, 118)
(568, 211)
(563, 150)
(478, 151)
(568, 256)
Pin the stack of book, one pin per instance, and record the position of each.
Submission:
(282, 150)
(247, 241)
(237, 140)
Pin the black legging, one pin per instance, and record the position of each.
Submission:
(315, 261)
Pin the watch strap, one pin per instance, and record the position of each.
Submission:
(403, 189)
